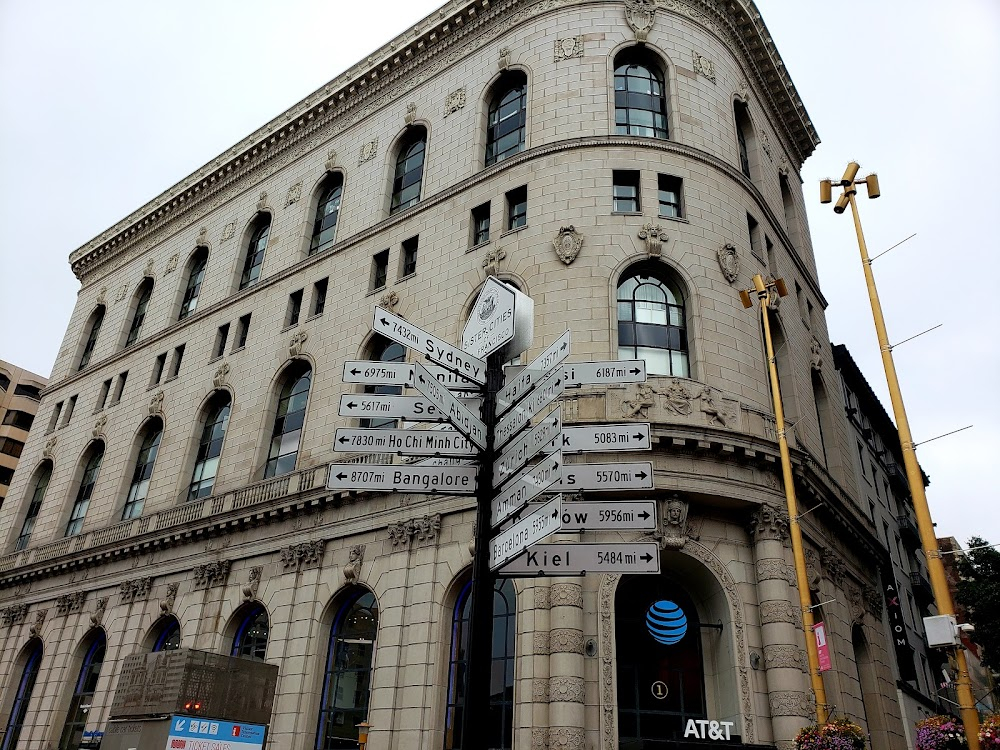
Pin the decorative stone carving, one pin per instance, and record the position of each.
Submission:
(774, 570)
(654, 235)
(815, 355)
(677, 398)
(492, 261)
(540, 690)
(388, 301)
(50, 446)
(539, 738)
(833, 566)
(134, 588)
(567, 690)
(355, 559)
(303, 553)
(221, 376)
(504, 61)
(167, 602)
(102, 296)
(122, 293)
(639, 15)
(729, 262)
(211, 574)
(294, 194)
(416, 529)
(411, 113)
(568, 48)
(295, 346)
(638, 406)
(156, 404)
(99, 425)
(566, 595)
(566, 641)
(703, 65)
(202, 240)
(785, 657)
(98, 616)
(872, 599)
(331, 160)
(542, 598)
(778, 611)
(567, 738)
(773, 298)
(398, 534)
(148, 270)
(368, 151)
(673, 528)
(813, 571)
(743, 91)
(229, 231)
(36, 629)
(69, 603)
(789, 703)
(714, 414)
(454, 101)
(172, 262)
(766, 145)
(567, 244)
(14, 614)
(253, 583)
(540, 643)
(768, 522)
(262, 201)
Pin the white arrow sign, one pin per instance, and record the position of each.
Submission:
(524, 533)
(579, 559)
(602, 373)
(606, 437)
(401, 373)
(464, 420)
(602, 477)
(518, 453)
(414, 408)
(531, 375)
(456, 480)
(511, 424)
(527, 485)
(408, 442)
(399, 330)
(587, 515)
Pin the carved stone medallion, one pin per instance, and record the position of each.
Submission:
(229, 231)
(454, 102)
(294, 194)
(172, 262)
(639, 15)
(567, 244)
(729, 262)
(368, 151)
(570, 47)
(703, 65)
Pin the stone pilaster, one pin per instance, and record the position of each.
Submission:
(566, 684)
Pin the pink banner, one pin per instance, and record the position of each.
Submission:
(819, 629)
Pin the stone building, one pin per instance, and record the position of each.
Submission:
(20, 392)
(629, 165)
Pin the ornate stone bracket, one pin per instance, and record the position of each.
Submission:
(167, 602)
(355, 559)
(769, 522)
(98, 431)
(872, 599)
(673, 532)
(69, 603)
(411, 113)
(491, 262)
(504, 62)
(221, 376)
(36, 629)
(567, 244)
(148, 270)
(815, 355)
(102, 296)
(50, 446)
(833, 566)
(302, 554)
(98, 616)
(420, 529)
(654, 235)
(296, 345)
(388, 301)
(262, 202)
(331, 160)
(253, 582)
(156, 405)
(135, 588)
(639, 15)
(14, 614)
(211, 574)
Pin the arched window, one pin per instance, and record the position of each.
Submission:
(384, 350)
(143, 470)
(651, 322)
(255, 252)
(42, 478)
(250, 641)
(87, 482)
(744, 137)
(409, 173)
(500, 732)
(83, 693)
(640, 95)
(507, 117)
(142, 301)
(291, 414)
(661, 674)
(196, 275)
(347, 677)
(93, 330)
(327, 213)
(213, 434)
(25, 686)
(169, 637)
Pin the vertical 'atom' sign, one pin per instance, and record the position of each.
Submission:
(666, 622)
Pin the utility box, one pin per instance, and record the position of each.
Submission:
(942, 631)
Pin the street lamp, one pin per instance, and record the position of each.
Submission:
(363, 728)
(928, 539)
(765, 291)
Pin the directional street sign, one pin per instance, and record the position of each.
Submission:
(601, 477)
(606, 437)
(572, 559)
(587, 515)
(409, 442)
(502, 320)
(531, 375)
(524, 533)
(464, 420)
(602, 373)
(511, 424)
(455, 480)
(527, 485)
(401, 373)
(517, 454)
(415, 408)
(399, 330)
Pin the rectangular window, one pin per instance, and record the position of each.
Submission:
(380, 268)
(70, 407)
(6, 475)
(221, 338)
(102, 400)
(517, 207)
(809, 313)
(481, 224)
(175, 366)
(871, 509)
(753, 229)
(54, 421)
(861, 458)
(769, 256)
(319, 296)
(28, 391)
(294, 308)
(19, 419)
(242, 332)
(670, 196)
(408, 258)
(625, 192)
(120, 388)
(158, 366)
(11, 447)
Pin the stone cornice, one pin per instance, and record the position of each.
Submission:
(415, 55)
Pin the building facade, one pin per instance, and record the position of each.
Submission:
(629, 165)
(20, 392)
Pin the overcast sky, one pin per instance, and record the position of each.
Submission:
(103, 105)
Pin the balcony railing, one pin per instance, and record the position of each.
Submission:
(921, 587)
(908, 531)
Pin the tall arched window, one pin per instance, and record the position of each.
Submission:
(143, 470)
(500, 732)
(255, 252)
(640, 95)
(507, 117)
(384, 350)
(409, 173)
(192, 289)
(141, 303)
(744, 137)
(651, 322)
(169, 636)
(661, 674)
(93, 330)
(250, 640)
(22, 697)
(213, 434)
(87, 482)
(327, 213)
(291, 414)
(83, 693)
(822, 409)
(347, 677)
(42, 478)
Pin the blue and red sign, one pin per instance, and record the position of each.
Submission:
(189, 733)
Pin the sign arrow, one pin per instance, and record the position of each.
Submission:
(576, 559)
(606, 438)
(452, 480)
(464, 420)
(511, 424)
(589, 515)
(403, 332)
(401, 373)
(602, 373)
(542, 437)
(405, 442)
(414, 408)
(605, 477)
(528, 484)
(530, 376)
(533, 528)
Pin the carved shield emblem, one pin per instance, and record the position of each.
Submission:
(567, 244)
(639, 15)
(729, 262)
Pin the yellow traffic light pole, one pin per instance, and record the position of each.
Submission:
(928, 540)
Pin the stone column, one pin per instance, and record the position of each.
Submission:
(538, 718)
(566, 682)
(782, 640)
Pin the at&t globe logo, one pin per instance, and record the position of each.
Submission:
(666, 622)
